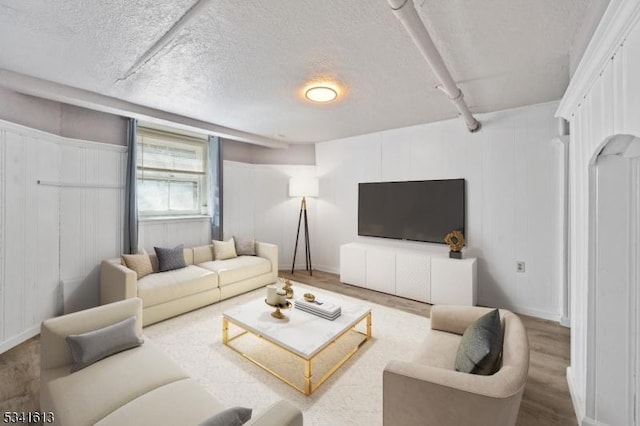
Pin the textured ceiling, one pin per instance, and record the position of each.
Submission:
(243, 64)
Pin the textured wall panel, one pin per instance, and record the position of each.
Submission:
(599, 317)
(171, 232)
(91, 217)
(29, 290)
(512, 170)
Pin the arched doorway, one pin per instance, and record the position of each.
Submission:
(614, 276)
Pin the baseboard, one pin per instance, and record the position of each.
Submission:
(590, 422)
(284, 267)
(578, 406)
(552, 316)
(14, 341)
(565, 321)
(325, 268)
(322, 268)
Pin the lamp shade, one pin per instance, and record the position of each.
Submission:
(303, 187)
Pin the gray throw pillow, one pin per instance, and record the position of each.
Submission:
(245, 246)
(481, 345)
(235, 416)
(95, 345)
(170, 258)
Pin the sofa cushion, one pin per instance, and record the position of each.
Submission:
(237, 269)
(437, 349)
(90, 347)
(139, 263)
(245, 246)
(481, 345)
(183, 402)
(170, 258)
(223, 250)
(85, 397)
(165, 286)
(234, 416)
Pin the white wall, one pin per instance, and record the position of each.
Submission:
(512, 169)
(601, 101)
(191, 232)
(256, 204)
(91, 216)
(612, 292)
(29, 286)
(61, 213)
(53, 238)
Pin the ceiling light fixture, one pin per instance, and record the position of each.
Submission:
(321, 94)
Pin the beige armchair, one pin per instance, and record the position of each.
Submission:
(428, 391)
(139, 386)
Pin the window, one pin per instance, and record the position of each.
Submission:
(172, 174)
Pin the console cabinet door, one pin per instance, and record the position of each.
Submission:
(453, 281)
(353, 265)
(381, 270)
(413, 276)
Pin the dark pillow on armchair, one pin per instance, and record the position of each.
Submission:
(235, 416)
(170, 258)
(91, 347)
(481, 346)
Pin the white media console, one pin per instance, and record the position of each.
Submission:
(415, 274)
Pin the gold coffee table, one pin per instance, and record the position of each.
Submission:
(304, 335)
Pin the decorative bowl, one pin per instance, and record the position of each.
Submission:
(286, 305)
(277, 314)
(309, 297)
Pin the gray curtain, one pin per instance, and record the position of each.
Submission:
(215, 187)
(130, 200)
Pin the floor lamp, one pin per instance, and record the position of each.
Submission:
(303, 187)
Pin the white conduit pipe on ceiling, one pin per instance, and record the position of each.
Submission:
(406, 12)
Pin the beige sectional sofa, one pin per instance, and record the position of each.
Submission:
(139, 386)
(427, 390)
(202, 282)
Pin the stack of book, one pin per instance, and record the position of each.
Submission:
(323, 309)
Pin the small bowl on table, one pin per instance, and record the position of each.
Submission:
(277, 314)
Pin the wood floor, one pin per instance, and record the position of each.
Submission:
(546, 399)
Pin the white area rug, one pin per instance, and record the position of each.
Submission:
(352, 396)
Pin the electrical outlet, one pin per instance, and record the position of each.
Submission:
(519, 266)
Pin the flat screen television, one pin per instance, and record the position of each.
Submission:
(414, 210)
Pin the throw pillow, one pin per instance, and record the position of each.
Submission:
(481, 345)
(95, 345)
(245, 246)
(170, 258)
(140, 263)
(224, 249)
(235, 416)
